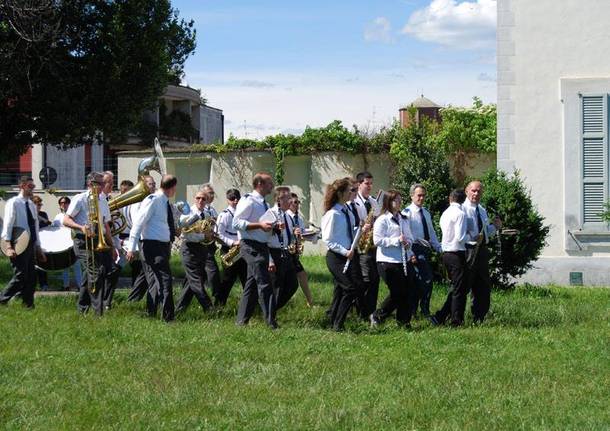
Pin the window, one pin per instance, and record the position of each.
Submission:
(594, 141)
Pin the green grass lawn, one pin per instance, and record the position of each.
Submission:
(541, 361)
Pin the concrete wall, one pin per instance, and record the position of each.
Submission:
(548, 52)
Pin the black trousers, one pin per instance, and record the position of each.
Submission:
(194, 257)
(423, 277)
(258, 283)
(455, 304)
(402, 295)
(284, 279)
(24, 277)
(96, 272)
(43, 280)
(139, 286)
(112, 280)
(370, 277)
(480, 285)
(229, 275)
(348, 288)
(155, 263)
(212, 271)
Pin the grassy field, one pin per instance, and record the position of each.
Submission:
(541, 361)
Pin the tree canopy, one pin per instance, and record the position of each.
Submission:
(74, 71)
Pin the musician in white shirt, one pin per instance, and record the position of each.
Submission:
(297, 227)
(393, 239)
(479, 225)
(194, 256)
(228, 235)
(453, 227)
(139, 285)
(77, 219)
(424, 243)
(368, 265)
(339, 233)
(112, 278)
(155, 229)
(281, 265)
(211, 266)
(20, 212)
(253, 235)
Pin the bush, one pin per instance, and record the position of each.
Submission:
(514, 254)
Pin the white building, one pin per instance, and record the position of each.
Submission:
(553, 93)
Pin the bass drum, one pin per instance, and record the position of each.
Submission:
(57, 245)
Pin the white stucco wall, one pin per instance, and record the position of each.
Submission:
(549, 51)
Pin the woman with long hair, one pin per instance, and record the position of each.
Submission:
(338, 231)
(392, 237)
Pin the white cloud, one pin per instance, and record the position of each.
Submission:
(456, 24)
(379, 30)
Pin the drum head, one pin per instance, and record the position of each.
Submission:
(57, 245)
(21, 239)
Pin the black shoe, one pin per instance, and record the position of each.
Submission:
(273, 325)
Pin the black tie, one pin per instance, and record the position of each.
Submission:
(479, 220)
(287, 230)
(265, 204)
(367, 205)
(295, 219)
(170, 223)
(202, 215)
(31, 223)
(425, 225)
(350, 234)
(355, 212)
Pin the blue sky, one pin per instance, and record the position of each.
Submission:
(277, 66)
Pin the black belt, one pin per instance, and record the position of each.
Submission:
(123, 235)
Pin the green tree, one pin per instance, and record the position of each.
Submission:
(507, 197)
(465, 131)
(75, 71)
(418, 160)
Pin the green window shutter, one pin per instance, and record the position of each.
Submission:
(595, 157)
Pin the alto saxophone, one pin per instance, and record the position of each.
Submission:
(365, 244)
(296, 247)
(230, 257)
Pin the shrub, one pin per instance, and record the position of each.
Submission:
(507, 197)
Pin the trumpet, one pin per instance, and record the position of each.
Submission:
(205, 227)
(95, 222)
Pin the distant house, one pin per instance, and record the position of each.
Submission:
(553, 94)
(423, 106)
(180, 117)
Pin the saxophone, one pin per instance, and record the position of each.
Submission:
(230, 257)
(296, 247)
(365, 244)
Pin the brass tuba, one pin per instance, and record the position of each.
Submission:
(95, 223)
(137, 194)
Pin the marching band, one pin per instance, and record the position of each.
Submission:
(367, 239)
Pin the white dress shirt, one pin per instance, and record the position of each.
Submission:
(225, 230)
(15, 216)
(58, 221)
(453, 227)
(470, 209)
(151, 221)
(274, 239)
(79, 208)
(335, 227)
(249, 210)
(414, 216)
(300, 222)
(361, 207)
(386, 237)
